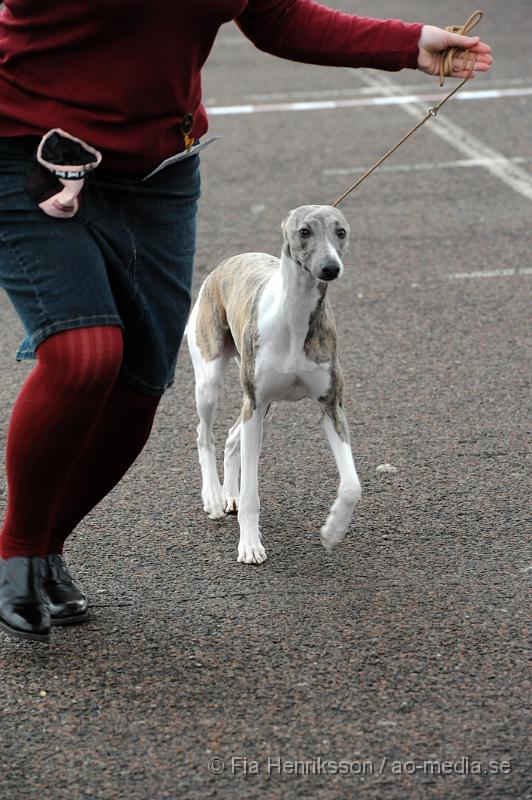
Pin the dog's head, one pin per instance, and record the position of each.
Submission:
(315, 238)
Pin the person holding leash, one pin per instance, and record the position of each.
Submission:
(100, 127)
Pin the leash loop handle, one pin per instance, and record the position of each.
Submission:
(446, 64)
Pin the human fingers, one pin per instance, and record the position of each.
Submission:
(480, 47)
(463, 61)
(462, 42)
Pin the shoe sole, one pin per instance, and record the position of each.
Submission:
(70, 620)
(36, 637)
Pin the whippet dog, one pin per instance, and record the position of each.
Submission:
(274, 317)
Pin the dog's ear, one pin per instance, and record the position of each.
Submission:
(283, 226)
(284, 230)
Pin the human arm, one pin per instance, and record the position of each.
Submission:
(303, 30)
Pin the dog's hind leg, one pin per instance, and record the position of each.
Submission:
(232, 469)
(209, 373)
(209, 381)
(250, 549)
(337, 431)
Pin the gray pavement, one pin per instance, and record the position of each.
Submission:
(407, 645)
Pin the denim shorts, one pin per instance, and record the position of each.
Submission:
(125, 259)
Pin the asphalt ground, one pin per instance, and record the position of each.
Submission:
(408, 644)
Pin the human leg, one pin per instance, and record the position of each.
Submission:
(51, 423)
(120, 434)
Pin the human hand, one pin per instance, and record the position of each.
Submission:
(434, 41)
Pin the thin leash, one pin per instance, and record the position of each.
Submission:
(446, 68)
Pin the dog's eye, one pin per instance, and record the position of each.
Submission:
(304, 232)
(341, 233)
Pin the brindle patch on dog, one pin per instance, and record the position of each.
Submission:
(332, 402)
(320, 342)
(212, 329)
(320, 346)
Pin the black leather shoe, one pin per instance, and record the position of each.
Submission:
(24, 610)
(66, 601)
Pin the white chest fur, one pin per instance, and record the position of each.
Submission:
(283, 371)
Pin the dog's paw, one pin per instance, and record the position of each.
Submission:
(251, 554)
(213, 504)
(335, 528)
(331, 535)
(231, 505)
(340, 515)
(214, 512)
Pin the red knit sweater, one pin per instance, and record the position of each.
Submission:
(121, 74)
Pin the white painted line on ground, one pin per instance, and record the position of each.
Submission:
(492, 273)
(495, 94)
(357, 102)
(459, 163)
(456, 137)
(353, 91)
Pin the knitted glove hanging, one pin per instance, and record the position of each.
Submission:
(57, 173)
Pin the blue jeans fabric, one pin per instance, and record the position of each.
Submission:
(125, 259)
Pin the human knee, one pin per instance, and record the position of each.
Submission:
(83, 359)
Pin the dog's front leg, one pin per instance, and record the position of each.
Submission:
(250, 549)
(337, 431)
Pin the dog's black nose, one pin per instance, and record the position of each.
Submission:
(330, 272)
